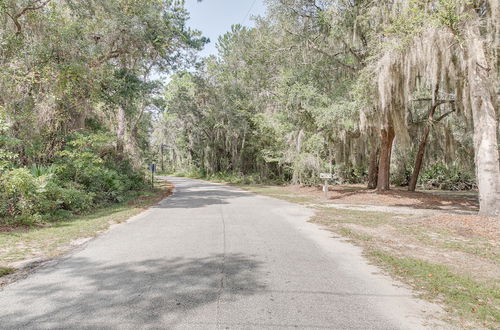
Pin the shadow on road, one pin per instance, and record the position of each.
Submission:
(149, 293)
(192, 194)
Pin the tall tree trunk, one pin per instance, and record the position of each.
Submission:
(387, 138)
(120, 132)
(373, 167)
(423, 143)
(485, 126)
(419, 159)
(374, 144)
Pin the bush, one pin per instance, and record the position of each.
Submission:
(234, 178)
(26, 198)
(19, 194)
(446, 178)
(351, 175)
(68, 196)
(401, 176)
(91, 161)
(87, 172)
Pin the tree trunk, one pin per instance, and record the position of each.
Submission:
(120, 132)
(373, 168)
(423, 144)
(485, 126)
(387, 138)
(421, 148)
(419, 159)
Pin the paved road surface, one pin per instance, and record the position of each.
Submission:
(212, 257)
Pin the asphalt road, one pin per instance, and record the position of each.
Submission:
(213, 257)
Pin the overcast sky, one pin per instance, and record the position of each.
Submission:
(215, 17)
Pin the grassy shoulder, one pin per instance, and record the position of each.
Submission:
(56, 238)
(469, 299)
(449, 259)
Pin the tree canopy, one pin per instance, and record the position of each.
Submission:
(400, 92)
(80, 81)
(375, 91)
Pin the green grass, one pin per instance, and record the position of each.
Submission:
(347, 232)
(6, 271)
(465, 296)
(55, 238)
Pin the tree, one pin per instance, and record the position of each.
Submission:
(452, 59)
(375, 91)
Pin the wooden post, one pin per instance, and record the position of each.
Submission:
(326, 176)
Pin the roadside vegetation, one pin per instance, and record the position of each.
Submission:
(86, 174)
(22, 247)
(78, 100)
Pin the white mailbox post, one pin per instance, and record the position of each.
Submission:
(326, 177)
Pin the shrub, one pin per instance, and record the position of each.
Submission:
(348, 174)
(26, 198)
(401, 176)
(40, 170)
(67, 196)
(91, 161)
(87, 172)
(18, 194)
(446, 178)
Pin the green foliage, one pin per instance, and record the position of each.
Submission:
(41, 170)
(414, 16)
(26, 198)
(351, 174)
(81, 66)
(90, 160)
(449, 14)
(19, 194)
(87, 172)
(226, 177)
(7, 158)
(6, 271)
(408, 21)
(401, 177)
(446, 178)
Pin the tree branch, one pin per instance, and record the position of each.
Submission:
(332, 56)
(34, 6)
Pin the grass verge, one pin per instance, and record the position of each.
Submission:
(473, 303)
(463, 295)
(56, 238)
